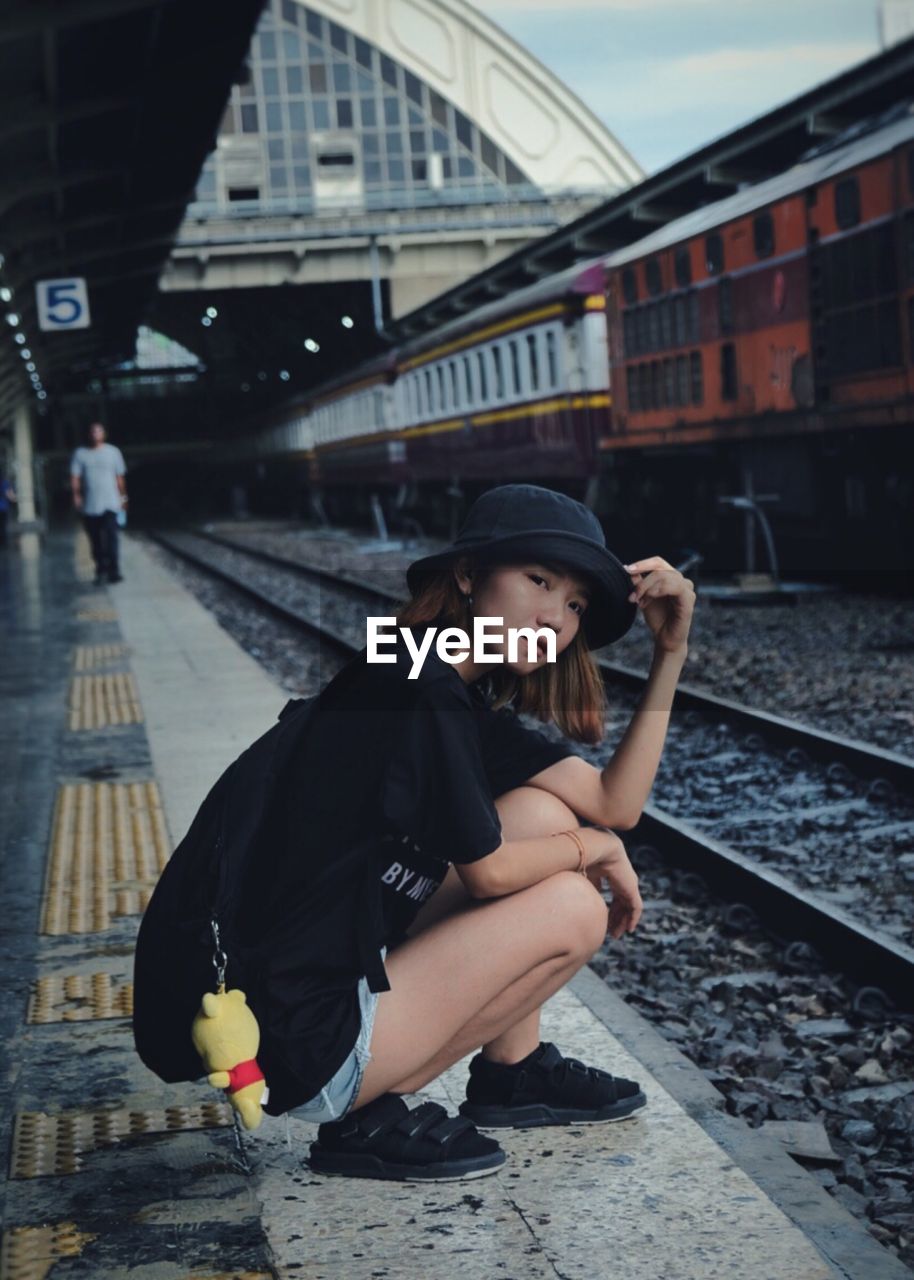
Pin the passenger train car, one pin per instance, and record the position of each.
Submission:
(762, 344)
(519, 387)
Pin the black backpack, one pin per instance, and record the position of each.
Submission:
(202, 884)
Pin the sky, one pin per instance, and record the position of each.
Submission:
(667, 76)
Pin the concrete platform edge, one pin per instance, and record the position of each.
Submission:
(839, 1237)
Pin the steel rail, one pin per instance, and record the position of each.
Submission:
(862, 758)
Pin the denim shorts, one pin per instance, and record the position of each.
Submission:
(341, 1090)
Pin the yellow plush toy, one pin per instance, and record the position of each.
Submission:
(226, 1036)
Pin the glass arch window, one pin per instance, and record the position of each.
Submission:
(310, 81)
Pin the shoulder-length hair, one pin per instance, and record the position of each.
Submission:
(567, 692)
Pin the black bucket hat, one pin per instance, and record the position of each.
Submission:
(525, 521)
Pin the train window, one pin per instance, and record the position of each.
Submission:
(499, 373)
(666, 322)
(552, 357)
(641, 333)
(812, 197)
(427, 388)
(629, 340)
(455, 388)
(652, 276)
(679, 321)
(682, 266)
(669, 382)
(763, 235)
(728, 383)
(847, 203)
(682, 381)
(644, 386)
(693, 327)
(629, 285)
(656, 385)
(631, 388)
(653, 327)
(714, 253)
(695, 378)
(467, 381)
(516, 381)
(725, 304)
(534, 361)
(442, 389)
(483, 376)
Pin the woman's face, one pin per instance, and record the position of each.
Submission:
(532, 594)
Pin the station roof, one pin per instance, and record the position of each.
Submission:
(108, 109)
(752, 153)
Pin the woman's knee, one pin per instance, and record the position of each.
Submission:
(578, 912)
(527, 812)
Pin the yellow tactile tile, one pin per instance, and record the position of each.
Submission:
(98, 702)
(96, 613)
(79, 997)
(109, 844)
(29, 1253)
(88, 656)
(50, 1145)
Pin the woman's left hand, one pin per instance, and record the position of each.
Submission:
(665, 598)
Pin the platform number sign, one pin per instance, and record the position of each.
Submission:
(62, 304)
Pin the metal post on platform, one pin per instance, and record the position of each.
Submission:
(377, 302)
(24, 456)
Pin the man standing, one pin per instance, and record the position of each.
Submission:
(97, 479)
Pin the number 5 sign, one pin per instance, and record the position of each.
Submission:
(62, 304)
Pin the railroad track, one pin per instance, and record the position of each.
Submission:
(870, 956)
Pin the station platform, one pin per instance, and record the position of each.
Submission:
(120, 706)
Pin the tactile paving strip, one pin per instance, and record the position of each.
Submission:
(109, 844)
(50, 1145)
(79, 997)
(97, 702)
(96, 614)
(230, 1275)
(87, 656)
(29, 1253)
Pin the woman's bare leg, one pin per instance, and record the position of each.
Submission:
(465, 980)
(477, 973)
(525, 813)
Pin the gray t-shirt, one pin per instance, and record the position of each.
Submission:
(98, 470)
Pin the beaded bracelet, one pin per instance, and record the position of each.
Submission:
(582, 855)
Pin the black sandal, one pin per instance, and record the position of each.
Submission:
(546, 1089)
(387, 1140)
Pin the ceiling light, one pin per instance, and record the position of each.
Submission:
(6, 295)
(206, 322)
(25, 353)
(20, 338)
(211, 313)
(12, 318)
(42, 395)
(347, 322)
(284, 375)
(312, 346)
(31, 366)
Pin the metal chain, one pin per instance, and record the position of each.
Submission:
(220, 959)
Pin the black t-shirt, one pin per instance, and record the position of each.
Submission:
(395, 780)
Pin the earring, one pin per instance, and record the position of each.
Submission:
(469, 600)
